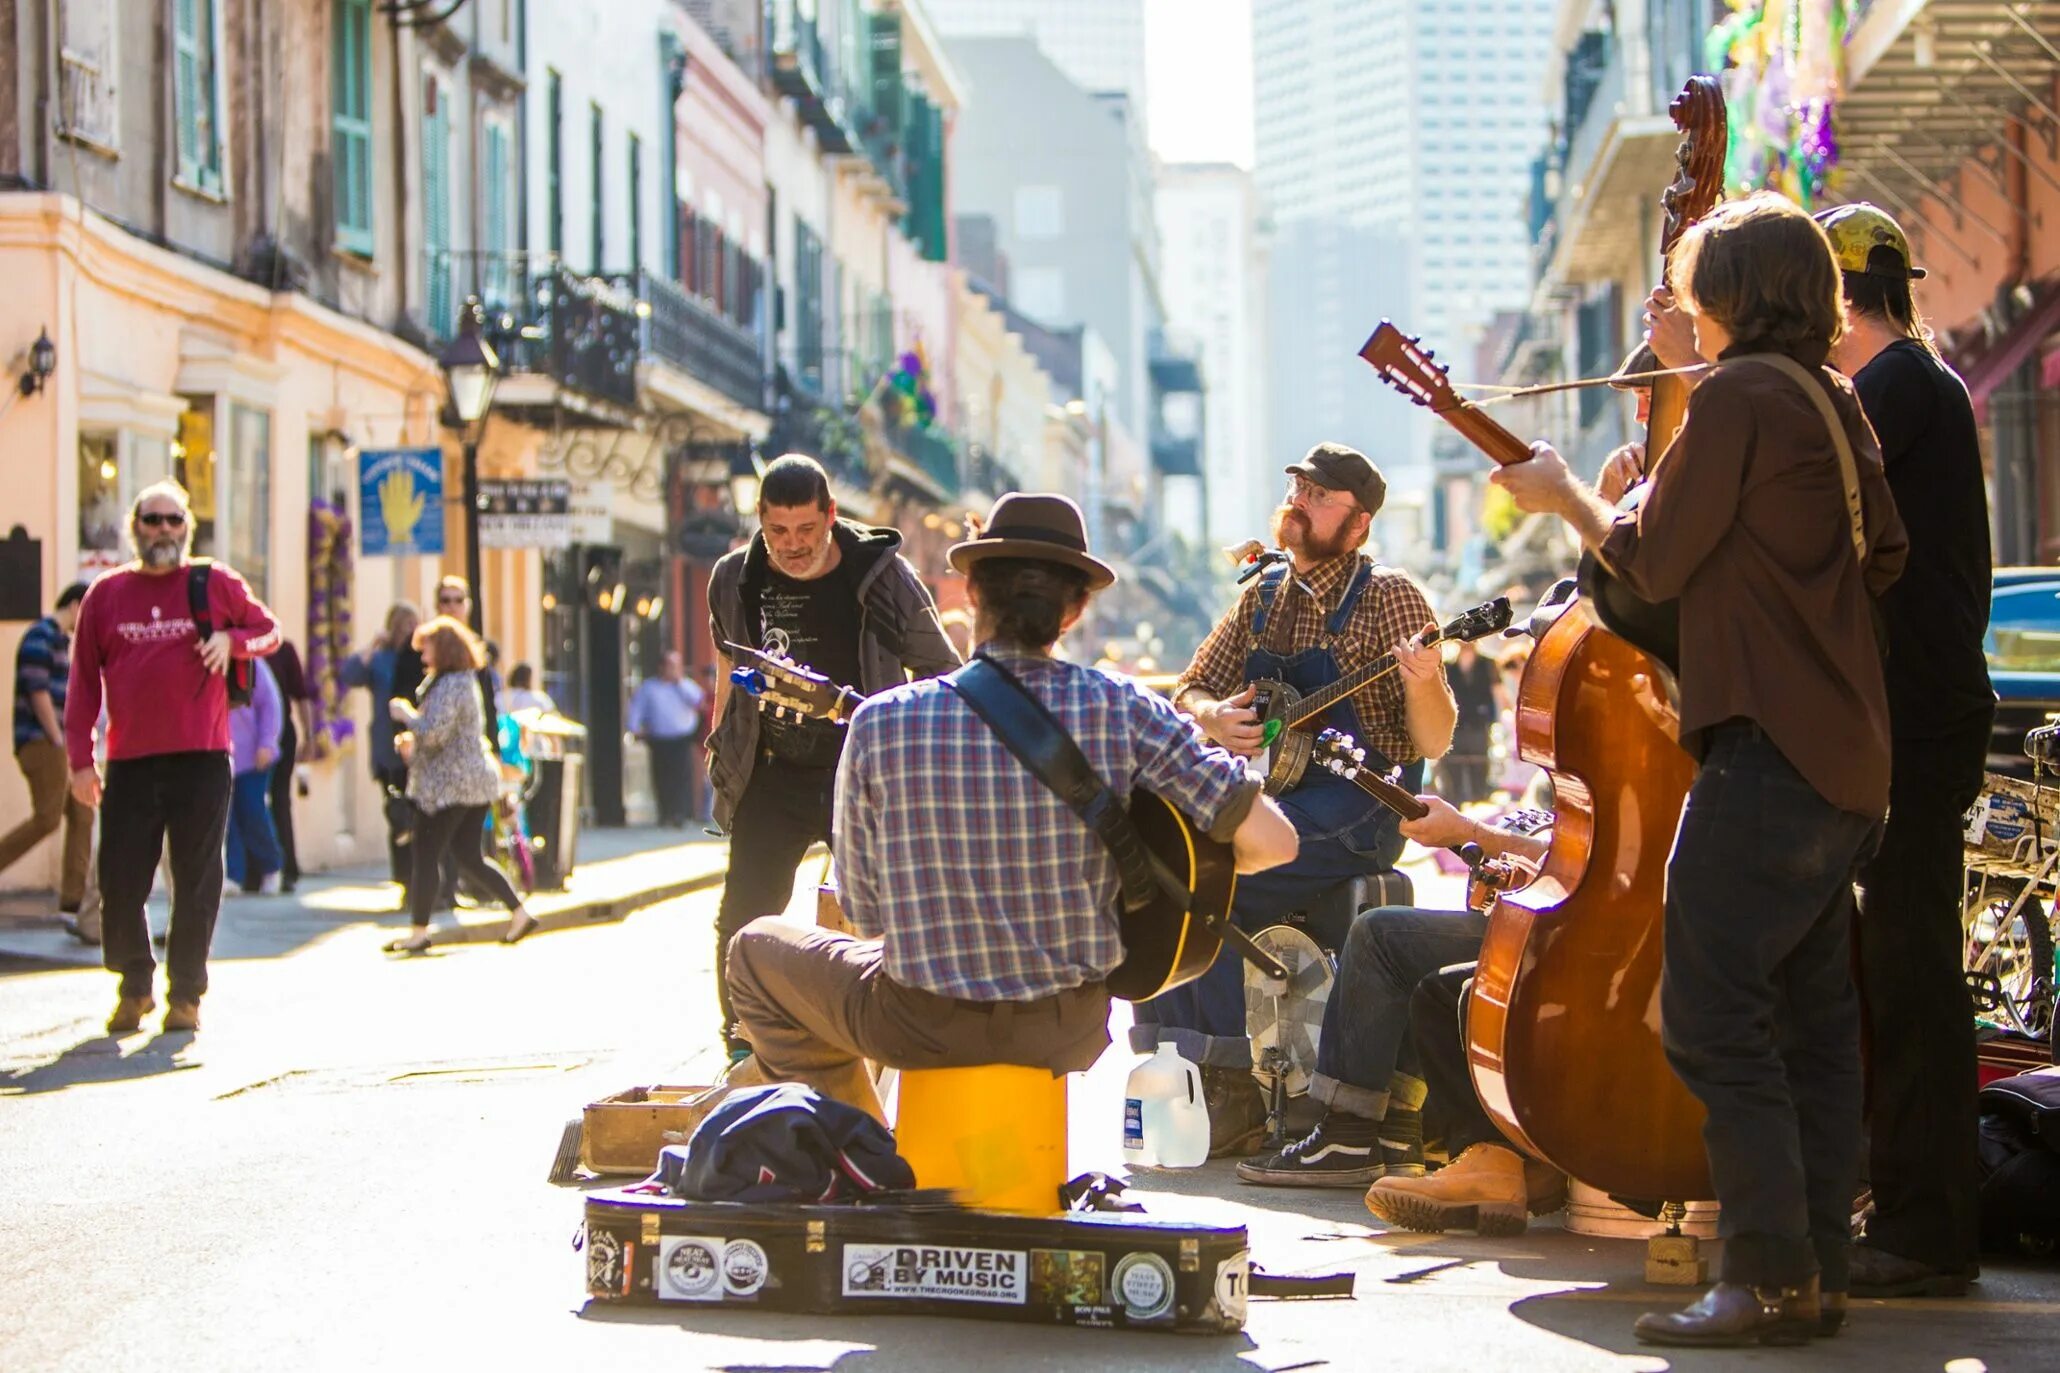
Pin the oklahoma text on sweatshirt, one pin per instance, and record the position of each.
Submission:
(136, 641)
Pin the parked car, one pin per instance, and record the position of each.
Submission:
(2023, 649)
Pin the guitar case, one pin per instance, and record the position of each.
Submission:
(1106, 1270)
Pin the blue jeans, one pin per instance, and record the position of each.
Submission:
(254, 852)
(1365, 1035)
(1757, 1006)
(1205, 1020)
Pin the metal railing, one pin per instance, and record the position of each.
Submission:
(541, 317)
(686, 331)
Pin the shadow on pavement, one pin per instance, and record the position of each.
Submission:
(98, 1060)
(912, 1344)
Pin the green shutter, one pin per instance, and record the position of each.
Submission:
(497, 277)
(636, 203)
(186, 87)
(886, 96)
(350, 64)
(436, 207)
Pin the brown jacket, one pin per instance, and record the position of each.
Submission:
(1746, 523)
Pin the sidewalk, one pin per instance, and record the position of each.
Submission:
(619, 871)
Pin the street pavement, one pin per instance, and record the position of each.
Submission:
(347, 1169)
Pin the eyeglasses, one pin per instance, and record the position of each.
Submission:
(151, 519)
(1309, 493)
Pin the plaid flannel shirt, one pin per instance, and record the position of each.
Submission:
(981, 882)
(1390, 610)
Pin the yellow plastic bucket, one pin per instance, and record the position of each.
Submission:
(996, 1134)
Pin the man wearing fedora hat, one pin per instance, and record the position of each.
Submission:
(984, 908)
(834, 596)
(1325, 610)
(1923, 1236)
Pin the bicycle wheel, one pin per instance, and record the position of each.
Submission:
(2008, 954)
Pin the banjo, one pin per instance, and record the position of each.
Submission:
(1283, 711)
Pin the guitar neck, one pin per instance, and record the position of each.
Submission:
(1323, 698)
(1396, 799)
(1484, 433)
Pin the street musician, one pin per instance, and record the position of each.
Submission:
(1324, 611)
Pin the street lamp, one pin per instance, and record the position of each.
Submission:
(470, 370)
(744, 473)
(42, 362)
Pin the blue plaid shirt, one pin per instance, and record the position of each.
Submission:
(42, 663)
(981, 882)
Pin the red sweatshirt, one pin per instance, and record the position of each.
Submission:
(136, 641)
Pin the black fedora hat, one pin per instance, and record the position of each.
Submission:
(1048, 528)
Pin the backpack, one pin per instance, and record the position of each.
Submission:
(2019, 1144)
(242, 673)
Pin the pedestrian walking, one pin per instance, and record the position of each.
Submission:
(521, 693)
(665, 713)
(42, 671)
(388, 668)
(253, 858)
(1475, 690)
(453, 777)
(296, 739)
(158, 640)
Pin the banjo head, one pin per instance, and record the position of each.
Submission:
(1287, 753)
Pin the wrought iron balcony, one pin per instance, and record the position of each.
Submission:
(804, 69)
(682, 329)
(932, 453)
(543, 318)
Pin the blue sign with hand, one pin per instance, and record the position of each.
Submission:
(400, 502)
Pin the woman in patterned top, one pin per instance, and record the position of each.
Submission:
(452, 779)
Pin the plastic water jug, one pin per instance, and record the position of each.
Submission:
(1165, 1118)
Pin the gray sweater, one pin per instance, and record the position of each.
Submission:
(451, 766)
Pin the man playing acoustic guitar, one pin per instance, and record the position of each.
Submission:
(1307, 621)
(984, 906)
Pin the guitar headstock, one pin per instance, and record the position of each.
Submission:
(1338, 752)
(1698, 112)
(783, 685)
(1404, 363)
(1487, 618)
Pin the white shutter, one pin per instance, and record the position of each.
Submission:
(87, 109)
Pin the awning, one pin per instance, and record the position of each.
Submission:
(1995, 364)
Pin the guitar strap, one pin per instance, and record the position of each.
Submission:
(1848, 469)
(1270, 582)
(1042, 745)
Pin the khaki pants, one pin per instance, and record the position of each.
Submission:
(51, 804)
(812, 1001)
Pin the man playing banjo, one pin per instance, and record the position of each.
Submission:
(1305, 621)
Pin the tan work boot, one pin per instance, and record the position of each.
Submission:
(1483, 1190)
(129, 1012)
(182, 1015)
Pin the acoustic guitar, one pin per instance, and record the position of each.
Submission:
(1171, 940)
(1283, 711)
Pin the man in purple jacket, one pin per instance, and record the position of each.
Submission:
(254, 856)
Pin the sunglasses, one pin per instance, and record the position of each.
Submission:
(151, 519)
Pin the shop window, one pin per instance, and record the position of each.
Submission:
(102, 544)
(250, 496)
(193, 467)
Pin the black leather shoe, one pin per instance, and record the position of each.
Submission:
(1733, 1314)
(1878, 1273)
(1830, 1313)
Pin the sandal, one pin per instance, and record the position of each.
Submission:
(417, 942)
(520, 928)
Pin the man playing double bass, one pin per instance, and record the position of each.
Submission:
(1769, 517)
(1325, 611)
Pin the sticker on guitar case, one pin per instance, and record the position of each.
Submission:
(1144, 1284)
(688, 1270)
(940, 1273)
(744, 1268)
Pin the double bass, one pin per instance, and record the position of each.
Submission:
(1564, 1025)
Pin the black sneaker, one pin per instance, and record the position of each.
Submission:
(1400, 1134)
(1237, 1111)
(1342, 1151)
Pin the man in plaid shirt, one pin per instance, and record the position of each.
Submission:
(1325, 611)
(984, 907)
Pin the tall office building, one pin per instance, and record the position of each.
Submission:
(1098, 44)
(1393, 143)
(1212, 273)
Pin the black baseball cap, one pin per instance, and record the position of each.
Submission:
(1338, 468)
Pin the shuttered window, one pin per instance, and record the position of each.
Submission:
(636, 202)
(498, 278)
(196, 95)
(438, 304)
(87, 67)
(350, 66)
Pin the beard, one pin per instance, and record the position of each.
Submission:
(162, 550)
(1292, 531)
(805, 567)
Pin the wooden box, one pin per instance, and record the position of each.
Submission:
(623, 1133)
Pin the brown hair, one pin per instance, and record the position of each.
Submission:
(1764, 270)
(448, 644)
